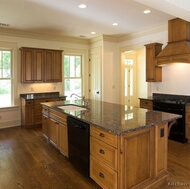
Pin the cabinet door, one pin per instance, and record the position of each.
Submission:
(63, 139)
(27, 59)
(53, 131)
(29, 116)
(45, 125)
(48, 61)
(31, 65)
(57, 66)
(153, 72)
(38, 66)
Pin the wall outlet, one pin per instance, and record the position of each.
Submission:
(54, 88)
(0, 116)
(32, 89)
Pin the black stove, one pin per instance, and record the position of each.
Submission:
(173, 104)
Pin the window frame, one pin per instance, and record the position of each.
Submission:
(12, 47)
(81, 73)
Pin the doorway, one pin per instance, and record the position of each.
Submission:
(128, 77)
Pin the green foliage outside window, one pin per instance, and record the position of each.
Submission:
(72, 74)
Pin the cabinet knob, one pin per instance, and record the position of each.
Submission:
(102, 151)
(101, 175)
(102, 135)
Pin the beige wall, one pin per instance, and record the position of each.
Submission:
(12, 116)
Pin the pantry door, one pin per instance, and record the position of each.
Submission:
(95, 75)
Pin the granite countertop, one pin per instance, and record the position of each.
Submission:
(147, 98)
(115, 118)
(36, 96)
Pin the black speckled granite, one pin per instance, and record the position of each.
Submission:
(35, 96)
(115, 118)
(173, 97)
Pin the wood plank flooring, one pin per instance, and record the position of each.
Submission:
(28, 161)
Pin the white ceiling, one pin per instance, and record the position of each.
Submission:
(64, 18)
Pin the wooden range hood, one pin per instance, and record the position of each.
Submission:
(178, 47)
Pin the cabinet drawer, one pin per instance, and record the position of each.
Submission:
(103, 152)
(148, 104)
(60, 117)
(29, 102)
(104, 136)
(103, 175)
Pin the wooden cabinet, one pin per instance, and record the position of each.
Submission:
(45, 123)
(55, 129)
(187, 121)
(27, 112)
(153, 72)
(31, 65)
(103, 158)
(133, 160)
(146, 103)
(40, 65)
(53, 66)
(143, 158)
(31, 111)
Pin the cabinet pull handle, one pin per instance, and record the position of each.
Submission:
(102, 135)
(102, 151)
(146, 102)
(101, 175)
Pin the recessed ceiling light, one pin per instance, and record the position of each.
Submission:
(146, 11)
(93, 33)
(82, 36)
(115, 24)
(82, 6)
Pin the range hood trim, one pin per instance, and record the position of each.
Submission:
(176, 51)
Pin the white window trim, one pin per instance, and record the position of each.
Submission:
(15, 74)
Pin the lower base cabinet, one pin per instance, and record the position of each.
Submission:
(54, 128)
(133, 160)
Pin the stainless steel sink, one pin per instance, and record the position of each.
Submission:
(71, 108)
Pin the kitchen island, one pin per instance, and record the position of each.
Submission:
(128, 145)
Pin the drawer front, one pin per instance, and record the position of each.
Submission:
(103, 175)
(29, 102)
(60, 117)
(103, 152)
(146, 104)
(104, 136)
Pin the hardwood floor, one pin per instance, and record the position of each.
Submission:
(27, 161)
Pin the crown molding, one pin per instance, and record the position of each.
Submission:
(18, 33)
(150, 31)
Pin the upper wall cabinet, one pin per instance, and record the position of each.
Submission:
(40, 65)
(53, 66)
(153, 72)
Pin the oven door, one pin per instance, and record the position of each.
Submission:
(177, 131)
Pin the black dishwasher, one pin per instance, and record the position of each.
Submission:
(78, 144)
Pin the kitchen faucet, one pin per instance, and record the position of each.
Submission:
(86, 103)
(83, 97)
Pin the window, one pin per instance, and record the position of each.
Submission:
(72, 75)
(5, 78)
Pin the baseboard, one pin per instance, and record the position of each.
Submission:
(7, 124)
